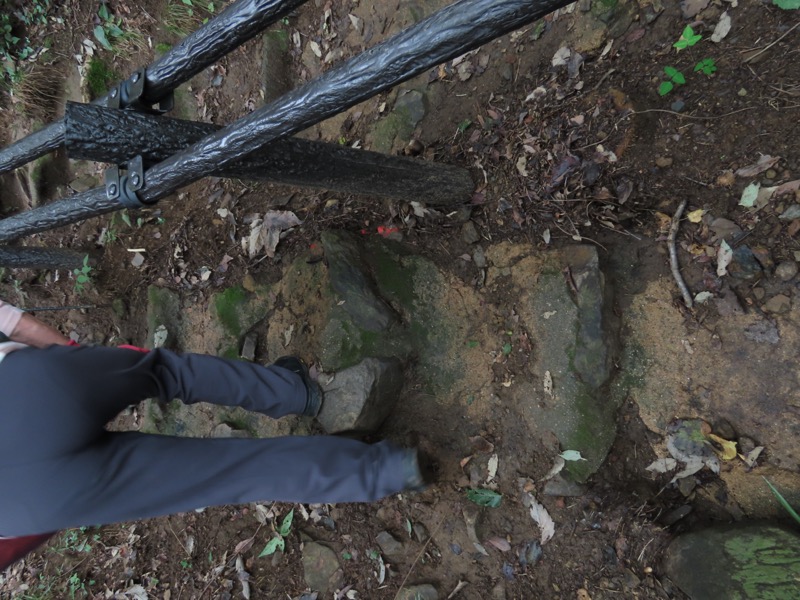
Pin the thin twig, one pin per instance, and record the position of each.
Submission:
(683, 116)
(673, 254)
(765, 48)
(414, 564)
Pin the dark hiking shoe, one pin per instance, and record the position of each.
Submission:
(418, 471)
(313, 391)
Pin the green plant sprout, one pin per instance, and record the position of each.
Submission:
(279, 542)
(675, 78)
(707, 66)
(109, 27)
(82, 275)
(688, 38)
(787, 4)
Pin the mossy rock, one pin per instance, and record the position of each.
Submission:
(237, 311)
(163, 309)
(747, 561)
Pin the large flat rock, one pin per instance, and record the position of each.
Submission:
(742, 562)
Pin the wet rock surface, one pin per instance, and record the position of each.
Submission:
(743, 561)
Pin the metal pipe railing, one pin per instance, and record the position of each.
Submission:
(446, 34)
(234, 26)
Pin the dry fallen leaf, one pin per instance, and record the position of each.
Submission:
(696, 215)
(493, 463)
(557, 467)
(724, 258)
(662, 465)
(725, 449)
(752, 456)
(722, 29)
(542, 518)
(765, 162)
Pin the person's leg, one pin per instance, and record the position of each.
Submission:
(103, 381)
(126, 476)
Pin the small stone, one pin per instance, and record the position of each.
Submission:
(786, 271)
(745, 265)
(506, 72)
(791, 213)
(421, 533)
(778, 305)
(413, 104)
(137, 260)
(763, 256)
(463, 214)
(391, 548)
(677, 514)
(742, 92)
(84, 183)
(771, 174)
(746, 445)
(678, 105)
(469, 233)
(559, 486)
(686, 486)
(217, 81)
(479, 258)
(631, 580)
(724, 429)
(321, 568)
(360, 398)
(249, 346)
(759, 293)
(663, 162)
(763, 332)
(418, 592)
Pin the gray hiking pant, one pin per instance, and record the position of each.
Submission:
(60, 468)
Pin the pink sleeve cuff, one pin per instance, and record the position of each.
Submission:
(9, 317)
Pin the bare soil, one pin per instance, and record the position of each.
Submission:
(546, 176)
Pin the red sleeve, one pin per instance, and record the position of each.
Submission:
(13, 549)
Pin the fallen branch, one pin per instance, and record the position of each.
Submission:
(765, 48)
(673, 254)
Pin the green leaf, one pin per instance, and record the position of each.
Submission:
(347, 556)
(126, 219)
(665, 88)
(286, 525)
(506, 349)
(473, 344)
(464, 125)
(671, 71)
(409, 528)
(103, 12)
(783, 501)
(679, 78)
(188, 2)
(484, 497)
(100, 34)
(114, 30)
(787, 4)
(681, 44)
(272, 546)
